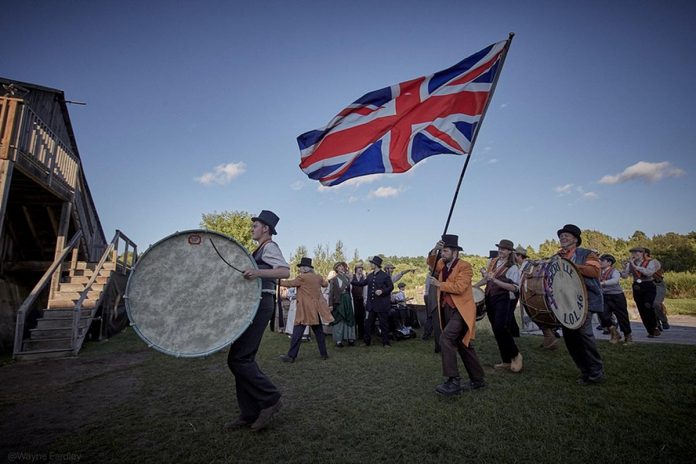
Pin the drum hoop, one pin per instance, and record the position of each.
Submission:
(245, 323)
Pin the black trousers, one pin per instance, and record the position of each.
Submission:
(383, 327)
(583, 349)
(296, 339)
(500, 315)
(255, 391)
(359, 308)
(615, 304)
(644, 296)
(451, 343)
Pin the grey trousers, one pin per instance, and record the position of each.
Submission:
(451, 344)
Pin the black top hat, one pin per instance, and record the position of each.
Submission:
(269, 218)
(306, 262)
(572, 229)
(506, 244)
(377, 261)
(608, 257)
(451, 241)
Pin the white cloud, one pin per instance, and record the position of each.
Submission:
(298, 185)
(492, 160)
(222, 174)
(503, 105)
(354, 182)
(385, 192)
(590, 196)
(564, 189)
(645, 171)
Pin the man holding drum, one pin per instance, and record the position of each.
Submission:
(581, 342)
(257, 397)
(457, 316)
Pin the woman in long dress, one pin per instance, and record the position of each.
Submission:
(342, 303)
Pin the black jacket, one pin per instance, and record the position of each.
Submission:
(378, 280)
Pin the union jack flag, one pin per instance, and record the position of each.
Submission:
(391, 129)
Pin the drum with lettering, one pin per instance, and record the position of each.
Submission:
(553, 293)
(186, 295)
(479, 299)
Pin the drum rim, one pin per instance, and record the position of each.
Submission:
(245, 325)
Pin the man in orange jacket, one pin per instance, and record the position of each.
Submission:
(457, 312)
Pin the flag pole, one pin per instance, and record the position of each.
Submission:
(478, 126)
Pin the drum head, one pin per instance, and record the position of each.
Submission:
(183, 300)
(565, 293)
(479, 296)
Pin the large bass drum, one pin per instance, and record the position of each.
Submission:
(553, 293)
(184, 300)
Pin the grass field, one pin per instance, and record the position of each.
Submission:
(132, 404)
(686, 306)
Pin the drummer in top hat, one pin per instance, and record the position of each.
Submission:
(310, 306)
(581, 342)
(457, 314)
(257, 397)
(379, 288)
(502, 280)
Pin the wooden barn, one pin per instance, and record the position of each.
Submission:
(60, 279)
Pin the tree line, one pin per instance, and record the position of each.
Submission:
(676, 252)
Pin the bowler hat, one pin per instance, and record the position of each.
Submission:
(377, 261)
(521, 251)
(305, 262)
(402, 285)
(269, 218)
(608, 257)
(641, 249)
(451, 241)
(572, 229)
(340, 263)
(507, 244)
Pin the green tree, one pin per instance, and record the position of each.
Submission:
(236, 224)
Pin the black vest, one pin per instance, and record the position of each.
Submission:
(266, 284)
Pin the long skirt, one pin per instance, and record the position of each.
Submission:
(344, 320)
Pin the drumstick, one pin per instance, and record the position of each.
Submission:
(223, 259)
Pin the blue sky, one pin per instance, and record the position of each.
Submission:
(194, 107)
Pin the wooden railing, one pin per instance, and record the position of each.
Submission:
(40, 286)
(35, 141)
(123, 265)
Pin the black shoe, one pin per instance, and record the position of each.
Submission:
(287, 359)
(449, 388)
(474, 385)
(265, 416)
(237, 424)
(339, 345)
(665, 325)
(596, 378)
(325, 357)
(351, 343)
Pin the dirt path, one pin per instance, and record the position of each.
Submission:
(43, 400)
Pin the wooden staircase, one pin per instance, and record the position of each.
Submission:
(80, 294)
(53, 335)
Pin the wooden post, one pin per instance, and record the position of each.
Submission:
(8, 125)
(60, 244)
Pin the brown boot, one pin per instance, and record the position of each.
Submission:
(550, 340)
(615, 336)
